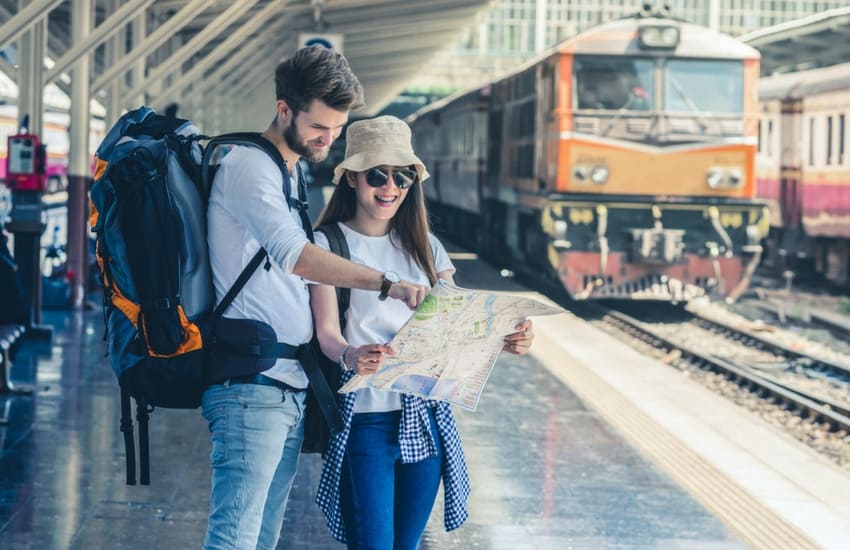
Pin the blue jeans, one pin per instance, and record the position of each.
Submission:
(386, 504)
(256, 442)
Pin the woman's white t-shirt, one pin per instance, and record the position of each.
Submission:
(372, 321)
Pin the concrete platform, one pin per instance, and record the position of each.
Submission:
(551, 467)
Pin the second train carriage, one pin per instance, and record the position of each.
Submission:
(804, 170)
(622, 162)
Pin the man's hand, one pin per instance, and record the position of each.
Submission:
(409, 293)
(519, 342)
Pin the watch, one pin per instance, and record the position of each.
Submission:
(389, 279)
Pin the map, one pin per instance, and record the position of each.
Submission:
(447, 349)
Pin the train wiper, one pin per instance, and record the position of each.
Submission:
(635, 95)
(703, 123)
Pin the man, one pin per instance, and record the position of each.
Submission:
(256, 422)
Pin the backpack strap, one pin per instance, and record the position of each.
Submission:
(310, 355)
(142, 416)
(239, 284)
(127, 430)
(256, 140)
(339, 246)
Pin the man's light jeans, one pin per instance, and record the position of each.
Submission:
(256, 441)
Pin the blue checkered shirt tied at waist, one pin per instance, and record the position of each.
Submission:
(417, 443)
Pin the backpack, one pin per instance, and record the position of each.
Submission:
(317, 431)
(148, 210)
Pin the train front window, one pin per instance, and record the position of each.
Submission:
(614, 84)
(704, 86)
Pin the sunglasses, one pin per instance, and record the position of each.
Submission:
(402, 177)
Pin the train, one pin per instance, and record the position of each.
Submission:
(620, 164)
(803, 171)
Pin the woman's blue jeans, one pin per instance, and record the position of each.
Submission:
(256, 441)
(386, 504)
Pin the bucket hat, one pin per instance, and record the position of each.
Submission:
(384, 140)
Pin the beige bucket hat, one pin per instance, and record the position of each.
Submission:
(384, 140)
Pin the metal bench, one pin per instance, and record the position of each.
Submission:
(9, 336)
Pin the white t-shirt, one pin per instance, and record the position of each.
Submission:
(376, 321)
(247, 210)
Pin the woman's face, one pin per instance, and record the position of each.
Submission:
(381, 190)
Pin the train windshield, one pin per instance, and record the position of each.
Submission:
(704, 86)
(614, 84)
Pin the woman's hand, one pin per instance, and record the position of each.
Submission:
(520, 341)
(366, 360)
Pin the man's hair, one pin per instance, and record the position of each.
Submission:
(316, 72)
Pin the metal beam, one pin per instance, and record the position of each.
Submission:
(232, 42)
(24, 19)
(151, 42)
(110, 26)
(224, 19)
(234, 66)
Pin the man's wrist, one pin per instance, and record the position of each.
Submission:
(388, 279)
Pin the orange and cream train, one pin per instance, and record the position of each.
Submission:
(621, 163)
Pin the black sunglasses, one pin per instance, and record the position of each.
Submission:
(402, 177)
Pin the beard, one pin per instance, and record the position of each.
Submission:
(300, 147)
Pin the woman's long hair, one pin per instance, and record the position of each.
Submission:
(409, 225)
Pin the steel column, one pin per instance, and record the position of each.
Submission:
(79, 161)
(114, 48)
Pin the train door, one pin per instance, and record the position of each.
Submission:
(791, 169)
(547, 127)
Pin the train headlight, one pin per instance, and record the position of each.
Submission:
(599, 174)
(715, 178)
(655, 36)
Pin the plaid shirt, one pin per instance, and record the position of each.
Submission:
(417, 443)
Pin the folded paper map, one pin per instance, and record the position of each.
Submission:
(448, 347)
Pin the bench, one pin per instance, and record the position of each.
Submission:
(10, 335)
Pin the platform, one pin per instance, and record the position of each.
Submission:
(570, 447)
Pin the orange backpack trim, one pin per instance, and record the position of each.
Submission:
(191, 337)
(99, 167)
(192, 340)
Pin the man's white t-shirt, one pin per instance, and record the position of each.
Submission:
(376, 321)
(247, 209)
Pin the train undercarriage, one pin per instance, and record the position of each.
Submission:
(625, 249)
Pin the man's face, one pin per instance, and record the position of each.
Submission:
(311, 132)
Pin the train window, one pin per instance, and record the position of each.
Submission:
(769, 140)
(828, 140)
(614, 84)
(812, 141)
(701, 85)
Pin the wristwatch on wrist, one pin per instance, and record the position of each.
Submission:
(390, 278)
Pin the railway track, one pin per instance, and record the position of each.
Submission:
(831, 413)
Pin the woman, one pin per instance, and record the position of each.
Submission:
(382, 471)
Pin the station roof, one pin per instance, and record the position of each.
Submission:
(195, 46)
(815, 41)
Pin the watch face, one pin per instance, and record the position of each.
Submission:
(392, 277)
